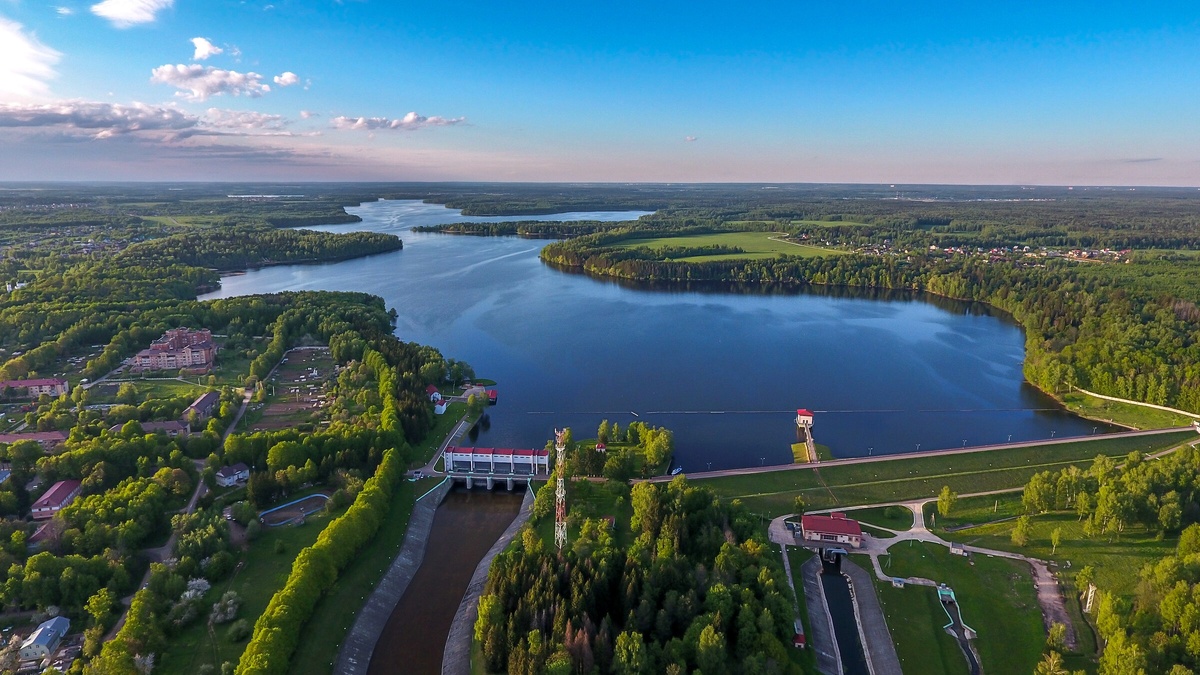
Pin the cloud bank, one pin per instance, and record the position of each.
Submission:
(100, 120)
(126, 13)
(25, 63)
(411, 121)
(287, 79)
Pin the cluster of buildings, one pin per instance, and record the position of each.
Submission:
(177, 348)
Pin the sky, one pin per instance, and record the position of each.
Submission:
(1057, 93)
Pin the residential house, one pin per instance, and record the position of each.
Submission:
(59, 495)
(44, 641)
(228, 476)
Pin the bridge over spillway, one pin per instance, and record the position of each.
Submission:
(488, 466)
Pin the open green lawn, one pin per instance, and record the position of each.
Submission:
(891, 517)
(969, 511)
(260, 574)
(756, 245)
(148, 389)
(997, 600)
(442, 425)
(335, 613)
(831, 486)
(1136, 416)
(1117, 561)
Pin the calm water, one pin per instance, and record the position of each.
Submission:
(725, 370)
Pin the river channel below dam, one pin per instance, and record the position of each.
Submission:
(465, 526)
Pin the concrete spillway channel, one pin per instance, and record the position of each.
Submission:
(960, 630)
(850, 635)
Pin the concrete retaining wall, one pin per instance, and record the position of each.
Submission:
(355, 654)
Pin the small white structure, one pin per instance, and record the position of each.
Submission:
(433, 393)
(43, 641)
(439, 406)
(228, 476)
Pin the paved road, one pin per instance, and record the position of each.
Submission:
(455, 433)
(701, 475)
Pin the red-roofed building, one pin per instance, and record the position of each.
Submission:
(439, 406)
(804, 417)
(835, 528)
(54, 386)
(47, 439)
(497, 460)
(492, 395)
(433, 393)
(59, 495)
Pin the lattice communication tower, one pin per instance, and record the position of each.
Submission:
(560, 490)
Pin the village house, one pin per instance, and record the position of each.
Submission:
(228, 476)
(177, 348)
(204, 406)
(43, 641)
(53, 386)
(433, 393)
(59, 495)
(439, 406)
(47, 439)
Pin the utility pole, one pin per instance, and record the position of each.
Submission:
(560, 490)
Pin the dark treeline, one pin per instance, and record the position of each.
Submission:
(695, 591)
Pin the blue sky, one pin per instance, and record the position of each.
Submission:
(1012, 93)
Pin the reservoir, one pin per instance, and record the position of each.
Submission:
(724, 367)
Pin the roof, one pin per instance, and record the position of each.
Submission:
(48, 632)
(497, 451)
(56, 494)
(431, 389)
(231, 471)
(839, 524)
(205, 399)
(39, 436)
(40, 382)
(804, 412)
(151, 427)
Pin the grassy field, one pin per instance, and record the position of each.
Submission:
(1117, 561)
(148, 389)
(997, 600)
(335, 613)
(891, 517)
(756, 245)
(1139, 417)
(900, 479)
(260, 574)
(442, 425)
(970, 511)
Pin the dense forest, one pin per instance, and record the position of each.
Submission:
(696, 590)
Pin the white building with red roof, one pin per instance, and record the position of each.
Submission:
(59, 495)
(54, 386)
(498, 461)
(833, 529)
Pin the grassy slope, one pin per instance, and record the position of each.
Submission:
(798, 556)
(1125, 414)
(335, 613)
(900, 479)
(1009, 642)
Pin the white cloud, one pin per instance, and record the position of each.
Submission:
(204, 49)
(25, 63)
(99, 120)
(287, 79)
(308, 114)
(689, 139)
(409, 122)
(64, 11)
(126, 13)
(197, 83)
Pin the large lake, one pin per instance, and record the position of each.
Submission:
(726, 370)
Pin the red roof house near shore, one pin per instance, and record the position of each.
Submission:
(835, 528)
